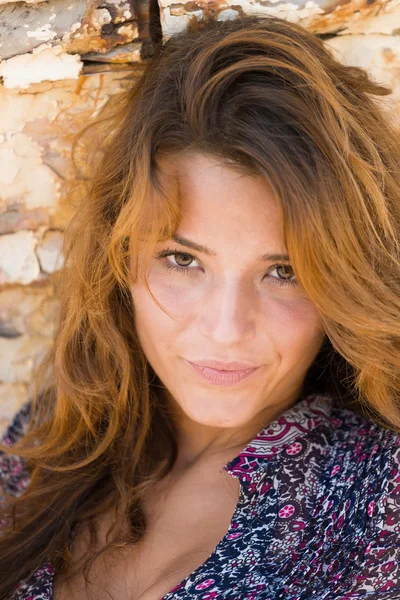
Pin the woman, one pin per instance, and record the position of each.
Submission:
(221, 415)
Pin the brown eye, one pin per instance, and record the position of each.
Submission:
(286, 271)
(285, 276)
(182, 260)
(178, 260)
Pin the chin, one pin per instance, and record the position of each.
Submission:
(221, 419)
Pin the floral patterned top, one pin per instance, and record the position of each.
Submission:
(317, 517)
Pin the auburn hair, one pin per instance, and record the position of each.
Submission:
(268, 96)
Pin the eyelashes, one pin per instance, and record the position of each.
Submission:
(186, 270)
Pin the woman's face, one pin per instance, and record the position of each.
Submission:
(228, 304)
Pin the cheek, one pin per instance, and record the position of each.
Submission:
(177, 296)
(295, 327)
(155, 329)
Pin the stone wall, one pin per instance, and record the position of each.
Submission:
(60, 63)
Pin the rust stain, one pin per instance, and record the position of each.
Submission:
(338, 14)
(191, 6)
(238, 8)
(99, 89)
(96, 36)
(389, 56)
(79, 85)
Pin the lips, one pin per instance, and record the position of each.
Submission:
(224, 366)
(222, 377)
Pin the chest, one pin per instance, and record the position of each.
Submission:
(186, 521)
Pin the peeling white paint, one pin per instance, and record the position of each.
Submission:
(74, 27)
(45, 63)
(26, 1)
(67, 35)
(130, 30)
(174, 23)
(18, 261)
(171, 24)
(229, 13)
(285, 10)
(385, 22)
(314, 5)
(43, 33)
(101, 17)
(24, 177)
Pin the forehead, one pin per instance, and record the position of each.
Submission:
(222, 202)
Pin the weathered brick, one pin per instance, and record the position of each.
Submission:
(18, 261)
(49, 251)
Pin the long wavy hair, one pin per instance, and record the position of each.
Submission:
(267, 95)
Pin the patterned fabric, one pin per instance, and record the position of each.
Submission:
(317, 517)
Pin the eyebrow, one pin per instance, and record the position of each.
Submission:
(190, 244)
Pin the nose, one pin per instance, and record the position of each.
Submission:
(228, 314)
